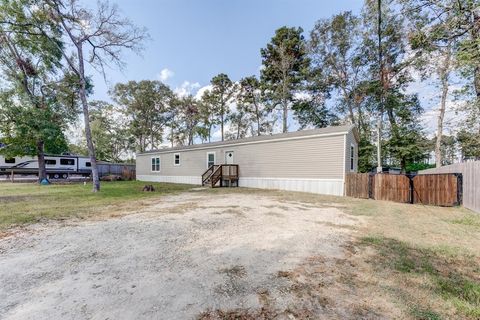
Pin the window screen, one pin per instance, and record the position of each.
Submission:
(155, 164)
(211, 159)
(352, 158)
(67, 162)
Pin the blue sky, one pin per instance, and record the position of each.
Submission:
(195, 40)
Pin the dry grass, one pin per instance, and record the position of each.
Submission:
(405, 262)
(24, 203)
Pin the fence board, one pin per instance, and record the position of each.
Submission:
(471, 181)
(127, 171)
(391, 187)
(356, 185)
(430, 189)
(436, 189)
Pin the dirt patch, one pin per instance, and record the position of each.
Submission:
(184, 256)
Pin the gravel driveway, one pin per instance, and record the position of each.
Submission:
(181, 257)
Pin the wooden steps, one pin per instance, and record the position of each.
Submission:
(223, 175)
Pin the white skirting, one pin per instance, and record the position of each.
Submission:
(171, 179)
(321, 186)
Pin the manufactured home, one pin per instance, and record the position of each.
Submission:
(309, 160)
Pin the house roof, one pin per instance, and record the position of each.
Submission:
(334, 130)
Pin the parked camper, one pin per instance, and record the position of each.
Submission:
(57, 166)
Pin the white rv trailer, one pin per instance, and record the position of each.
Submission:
(57, 166)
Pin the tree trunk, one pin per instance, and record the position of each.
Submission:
(351, 114)
(221, 121)
(285, 116)
(380, 117)
(258, 120)
(444, 72)
(379, 143)
(403, 166)
(476, 80)
(258, 126)
(86, 118)
(42, 171)
(438, 142)
(238, 129)
(475, 34)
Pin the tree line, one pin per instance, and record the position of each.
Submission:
(349, 69)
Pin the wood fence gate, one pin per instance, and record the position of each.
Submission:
(438, 189)
(429, 189)
(391, 187)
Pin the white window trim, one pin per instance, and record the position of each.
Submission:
(352, 156)
(179, 159)
(159, 164)
(214, 158)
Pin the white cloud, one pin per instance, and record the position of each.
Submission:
(202, 90)
(452, 119)
(302, 95)
(187, 88)
(165, 74)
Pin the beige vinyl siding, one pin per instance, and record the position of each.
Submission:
(303, 158)
(192, 163)
(307, 157)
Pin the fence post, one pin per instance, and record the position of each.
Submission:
(370, 186)
(459, 188)
(410, 178)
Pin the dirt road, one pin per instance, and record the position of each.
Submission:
(186, 256)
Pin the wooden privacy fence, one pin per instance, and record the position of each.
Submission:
(391, 187)
(435, 189)
(357, 185)
(471, 181)
(126, 171)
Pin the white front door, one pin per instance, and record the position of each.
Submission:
(229, 157)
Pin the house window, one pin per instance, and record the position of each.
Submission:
(352, 157)
(50, 162)
(9, 160)
(67, 162)
(176, 158)
(156, 164)
(210, 159)
(88, 164)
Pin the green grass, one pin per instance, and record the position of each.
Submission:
(472, 220)
(425, 314)
(454, 277)
(28, 203)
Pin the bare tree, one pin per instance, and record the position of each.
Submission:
(443, 70)
(97, 38)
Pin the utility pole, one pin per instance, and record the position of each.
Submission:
(380, 107)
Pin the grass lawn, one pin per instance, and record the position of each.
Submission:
(425, 259)
(23, 203)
